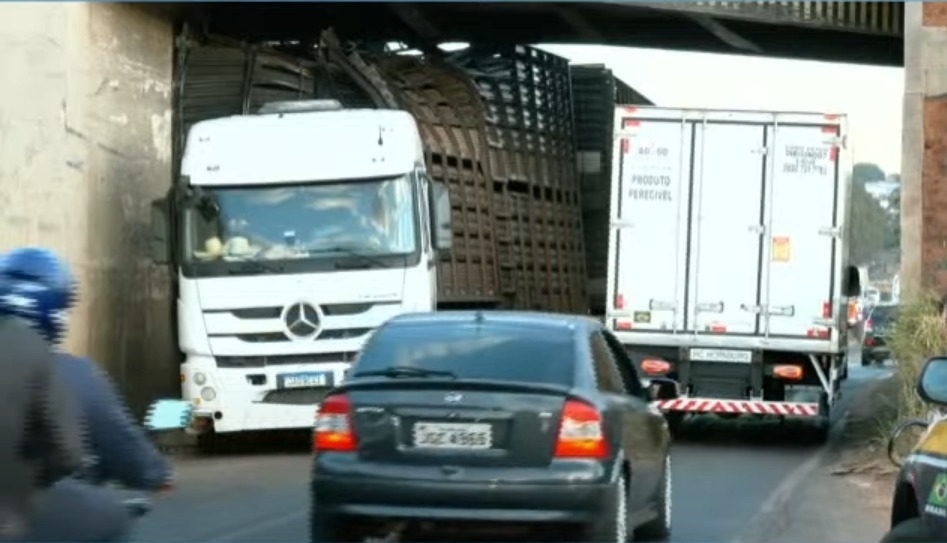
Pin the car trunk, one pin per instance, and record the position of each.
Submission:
(458, 423)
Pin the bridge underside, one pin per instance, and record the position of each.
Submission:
(866, 33)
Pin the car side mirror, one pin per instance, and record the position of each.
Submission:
(663, 389)
(158, 242)
(442, 228)
(932, 384)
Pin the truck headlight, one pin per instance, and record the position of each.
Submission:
(208, 394)
(199, 378)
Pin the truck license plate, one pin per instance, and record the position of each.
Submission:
(722, 355)
(305, 380)
(439, 435)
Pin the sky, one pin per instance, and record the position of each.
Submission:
(871, 96)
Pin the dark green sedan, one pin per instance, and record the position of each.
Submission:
(878, 325)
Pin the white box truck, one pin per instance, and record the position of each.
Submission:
(291, 235)
(728, 258)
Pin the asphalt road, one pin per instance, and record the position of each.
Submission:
(728, 476)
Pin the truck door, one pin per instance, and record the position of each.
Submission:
(726, 228)
(800, 253)
(647, 242)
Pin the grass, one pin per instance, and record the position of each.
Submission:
(918, 334)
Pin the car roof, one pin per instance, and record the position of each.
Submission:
(521, 319)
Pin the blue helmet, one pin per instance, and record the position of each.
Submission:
(38, 287)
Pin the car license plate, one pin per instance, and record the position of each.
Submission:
(305, 380)
(452, 435)
(722, 355)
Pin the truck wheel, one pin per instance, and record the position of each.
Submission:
(675, 421)
(823, 423)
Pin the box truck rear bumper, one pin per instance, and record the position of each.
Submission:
(745, 407)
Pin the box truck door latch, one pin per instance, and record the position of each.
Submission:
(781, 310)
(831, 231)
(710, 307)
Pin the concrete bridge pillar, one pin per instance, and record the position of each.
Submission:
(924, 149)
(85, 144)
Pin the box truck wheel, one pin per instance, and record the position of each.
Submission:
(822, 423)
(675, 421)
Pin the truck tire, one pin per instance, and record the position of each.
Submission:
(675, 420)
(822, 423)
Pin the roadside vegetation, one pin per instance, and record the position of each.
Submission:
(918, 334)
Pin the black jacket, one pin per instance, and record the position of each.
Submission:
(117, 447)
(40, 439)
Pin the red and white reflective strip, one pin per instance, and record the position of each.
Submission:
(753, 407)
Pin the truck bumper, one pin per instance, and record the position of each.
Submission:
(738, 407)
(257, 416)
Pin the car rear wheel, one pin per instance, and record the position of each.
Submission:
(612, 525)
(659, 529)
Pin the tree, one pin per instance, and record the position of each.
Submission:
(893, 239)
(866, 172)
(869, 221)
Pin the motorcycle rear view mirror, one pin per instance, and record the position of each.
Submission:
(169, 415)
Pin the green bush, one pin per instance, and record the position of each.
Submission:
(918, 334)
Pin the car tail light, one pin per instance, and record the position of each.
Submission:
(652, 366)
(788, 372)
(333, 428)
(869, 342)
(869, 326)
(581, 433)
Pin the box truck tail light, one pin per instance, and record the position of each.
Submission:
(788, 372)
(620, 301)
(852, 312)
(652, 366)
(821, 333)
(826, 310)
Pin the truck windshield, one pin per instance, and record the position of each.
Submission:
(307, 221)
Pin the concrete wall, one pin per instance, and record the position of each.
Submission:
(85, 144)
(924, 150)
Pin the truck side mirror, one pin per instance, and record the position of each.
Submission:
(158, 242)
(442, 231)
(853, 282)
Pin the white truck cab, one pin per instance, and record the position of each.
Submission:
(294, 233)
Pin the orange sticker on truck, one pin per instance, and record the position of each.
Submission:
(781, 249)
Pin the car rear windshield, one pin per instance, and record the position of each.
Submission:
(506, 353)
(884, 315)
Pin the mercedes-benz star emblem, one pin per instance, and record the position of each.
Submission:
(301, 320)
(453, 397)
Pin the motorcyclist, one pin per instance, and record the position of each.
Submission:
(40, 443)
(79, 508)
